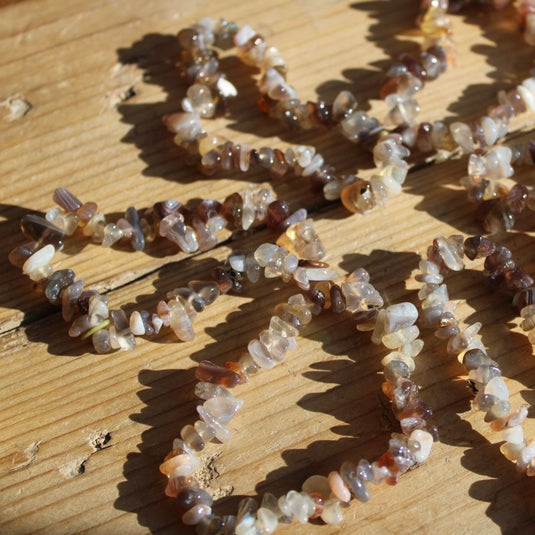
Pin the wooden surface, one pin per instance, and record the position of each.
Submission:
(59, 402)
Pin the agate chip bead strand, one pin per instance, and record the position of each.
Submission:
(191, 230)
(112, 329)
(320, 496)
(484, 374)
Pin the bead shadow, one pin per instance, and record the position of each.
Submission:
(393, 20)
(351, 363)
(440, 196)
(509, 67)
(493, 309)
(509, 493)
(157, 56)
(168, 404)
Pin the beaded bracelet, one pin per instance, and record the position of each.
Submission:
(487, 163)
(491, 393)
(320, 497)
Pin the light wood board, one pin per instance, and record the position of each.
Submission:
(74, 62)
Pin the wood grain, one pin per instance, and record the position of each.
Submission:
(73, 61)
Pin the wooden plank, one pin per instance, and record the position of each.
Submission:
(84, 433)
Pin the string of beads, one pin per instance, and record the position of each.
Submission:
(484, 374)
(320, 496)
(488, 163)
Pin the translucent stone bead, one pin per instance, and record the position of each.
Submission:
(194, 515)
(400, 337)
(123, 336)
(462, 135)
(512, 451)
(19, 254)
(246, 525)
(483, 374)
(137, 326)
(425, 442)
(358, 197)
(358, 123)
(451, 251)
(199, 100)
(390, 151)
(478, 247)
(66, 200)
(262, 198)
(275, 345)
(259, 355)
(137, 239)
(321, 274)
(275, 265)
(176, 484)
(82, 324)
(338, 487)
(344, 105)
(398, 355)
(248, 210)
(497, 387)
(247, 507)
(266, 520)
(186, 126)
(223, 409)
(180, 321)
(252, 268)
(318, 484)
(514, 435)
(183, 464)
(66, 221)
(247, 365)
(156, 323)
(301, 278)
(400, 315)
(437, 298)
(279, 327)
(527, 454)
(305, 240)
(395, 371)
(188, 297)
(101, 341)
(498, 162)
(205, 390)
(289, 265)
(361, 296)
(332, 512)
(206, 432)
(295, 314)
(402, 110)
(297, 504)
(430, 273)
(500, 409)
(40, 230)
(38, 266)
(112, 234)
(190, 436)
(264, 253)
(465, 339)
(57, 281)
(69, 299)
(490, 130)
(349, 474)
(208, 291)
(209, 372)
(221, 432)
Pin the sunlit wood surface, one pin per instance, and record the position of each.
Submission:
(99, 76)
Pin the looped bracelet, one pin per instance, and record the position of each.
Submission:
(320, 496)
